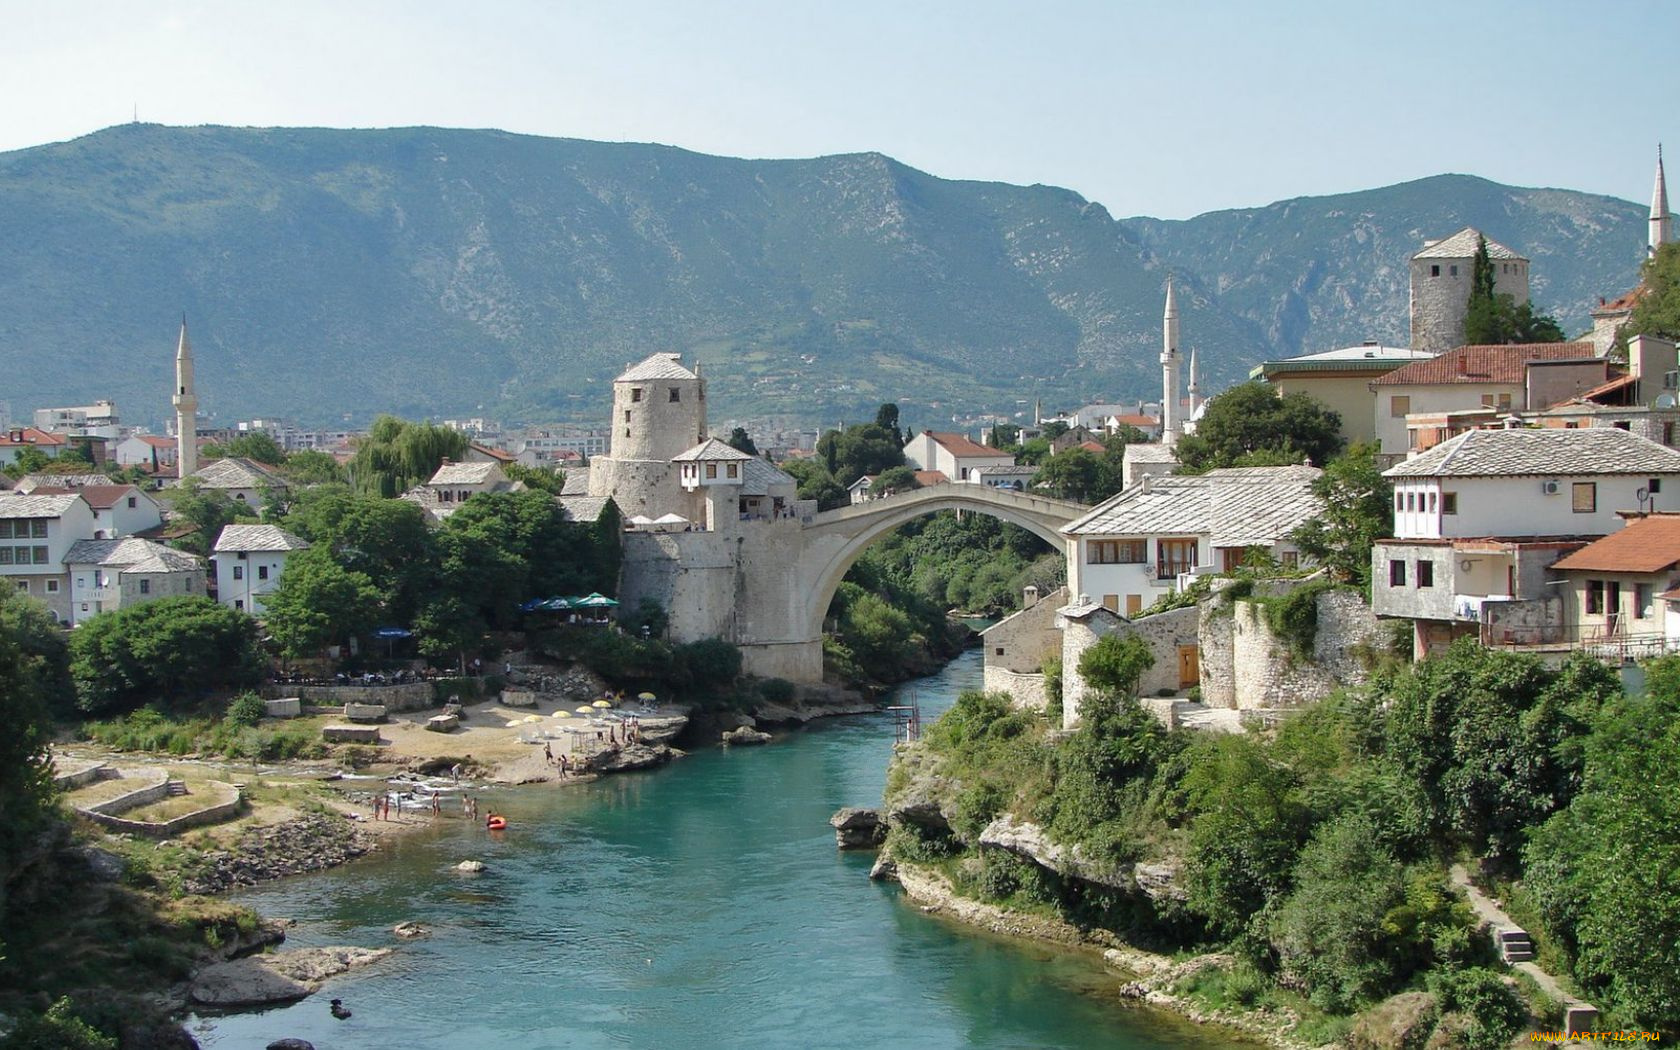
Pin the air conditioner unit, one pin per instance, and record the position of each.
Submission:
(1551, 488)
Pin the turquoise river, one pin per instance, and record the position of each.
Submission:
(701, 905)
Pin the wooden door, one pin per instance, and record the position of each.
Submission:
(1189, 666)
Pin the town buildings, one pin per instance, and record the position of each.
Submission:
(106, 575)
(247, 561)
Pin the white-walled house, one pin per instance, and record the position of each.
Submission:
(1479, 520)
(106, 575)
(118, 510)
(1612, 587)
(1146, 541)
(36, 532)
(248, 560)
(957, 456)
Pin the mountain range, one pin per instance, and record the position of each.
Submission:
(331, 274)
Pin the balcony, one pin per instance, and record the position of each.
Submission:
(1468, 607)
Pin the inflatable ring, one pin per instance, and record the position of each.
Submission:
(495, 823)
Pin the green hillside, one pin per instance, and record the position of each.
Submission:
(436, 272)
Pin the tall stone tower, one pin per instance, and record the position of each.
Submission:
(1170, 425)
(659, 410)
(1195, 385)
(1441, 286)
(1659, 228)
(186, 407)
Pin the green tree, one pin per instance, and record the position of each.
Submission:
(57, 1029)
(541, 479)
(857, 450)
(815, 482)
(741, 441)
(33, 681)
(387, 540)
(397, 455)
(256, 445)
(894, 479)
(313, 467)
(318, 603)
(1658, 310)
(1252, 419)
(208, 511)
(1492, 318)
(1358, 511)
(886, 417)
(1084, 476)
(163, 651)
(1115, 665)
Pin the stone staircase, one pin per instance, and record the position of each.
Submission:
(177, 788)
(1514, 944)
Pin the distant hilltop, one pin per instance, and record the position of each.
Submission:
(432, 272)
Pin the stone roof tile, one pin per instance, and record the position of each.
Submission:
(1537, 453)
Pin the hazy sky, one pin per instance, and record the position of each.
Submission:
(1167, 108)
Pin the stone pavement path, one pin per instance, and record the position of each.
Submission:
(1491, 913)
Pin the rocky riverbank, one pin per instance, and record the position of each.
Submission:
(308, 843)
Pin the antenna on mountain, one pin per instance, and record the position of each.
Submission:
(137, 113)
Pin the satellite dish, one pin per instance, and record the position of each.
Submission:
(1663, 402)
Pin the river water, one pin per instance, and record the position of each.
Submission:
(701, 905)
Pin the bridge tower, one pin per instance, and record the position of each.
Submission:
(659, 411)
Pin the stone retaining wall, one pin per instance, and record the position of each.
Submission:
(140, 796)
(410, 696)
(215, 813)
(81, 777)
(1026, 690)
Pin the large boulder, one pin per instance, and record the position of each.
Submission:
(291, 1044)
(279, 978)
(856, 828)
(746, 735)
(630, 756)
(1030, 842)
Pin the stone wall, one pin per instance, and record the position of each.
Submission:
(410, 696)
(1164, 633)
(1266, 674)
(145, 794)
(1020, 643)
(1025, 690)
(215, 813)
(1536, 621)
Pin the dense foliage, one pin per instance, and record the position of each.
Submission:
(1250, 425)
(34, 678)
(397, 454)
(1658, 310)
(1492, 317)
(1317, 853)
(172, 650)
(1358, 511)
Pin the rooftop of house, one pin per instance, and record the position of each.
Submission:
(1483, 364)
(257, 538)
(466, 474)
(157, 440)
(658, 366)
(925, 478)
(1134, 419)
(1235, 507)
(494, 453)
(1548, 451)
(576, 483)
(1150, 452)
(1622, 304)
(863, 482)
(1367, 357)
(1462, 245)
(18, 437)
(99, 497)
(1096, 447)
(31, 482)
(26, 505)
(132, 554)
(962, 444)
(710, 450)
(236, 472)
(1648, 544)
(759, 476)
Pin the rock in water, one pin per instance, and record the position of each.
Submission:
(856, 828)
(291, 1044)
(885, 868)
(410, 930)
(470, 867)
(277, 978)
(746, 735)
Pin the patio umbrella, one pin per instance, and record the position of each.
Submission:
(585, 709)
(646, 696)
(601, 703)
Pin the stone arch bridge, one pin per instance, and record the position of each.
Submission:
(767, 590)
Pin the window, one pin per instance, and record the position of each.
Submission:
(1396, 572)
(1290, 559)
(133, 502)
(1504, 402)
(21, 554)
(734, 470)
(1115, 552)
(676, 395)
(1595, 597)
(52, 586)
(711, 470)
(627, 419)
(635, 395)
(5, 555)
(1453, 270)
(1399, 502)
(1584, 497)
(5, 530)
(1487, 400)
(1654, 486)
(145, 586)
(1176, 557)
(262, 572)
(23, 586)
(1623, 425)
(1411, 501)
(40, 555)
(1431, 502)
(1399, 405)
(1667, 432)
(239, 572)
(1449, 503)
(1641, 601)
(239, 604)
(37, 529)
(1425, 573)
(1435, 271)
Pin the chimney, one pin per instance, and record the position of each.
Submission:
(1463, 364)
(1029, 596)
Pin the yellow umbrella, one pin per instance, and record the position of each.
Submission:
(602, 703)
(585, 709)
(533, 718)
(646, 696)
(515, 724)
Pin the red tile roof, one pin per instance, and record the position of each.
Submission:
(31, 436)
(494, 453)
(1649, 544)
(1621, 304)
(931, 477)
(157, 440)
(962, 444)
(1092, 446)
(99, 497)
(1608, 388)
(1484, 364)
(1141, 422)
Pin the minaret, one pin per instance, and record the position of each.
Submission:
(186, 407)
(1195, 385)
(1169, 369)
(1659, 234)
(1038, 412)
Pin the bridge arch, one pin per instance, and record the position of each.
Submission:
(834, 540)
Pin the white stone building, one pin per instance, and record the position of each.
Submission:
(1148, 540)
(106, 575)
(248, 561)
(957, 456)
(36, 533)
(1440, 294)
(118, 510)
(1480, 519)
(98, 420)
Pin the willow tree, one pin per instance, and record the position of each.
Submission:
(398, 454)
